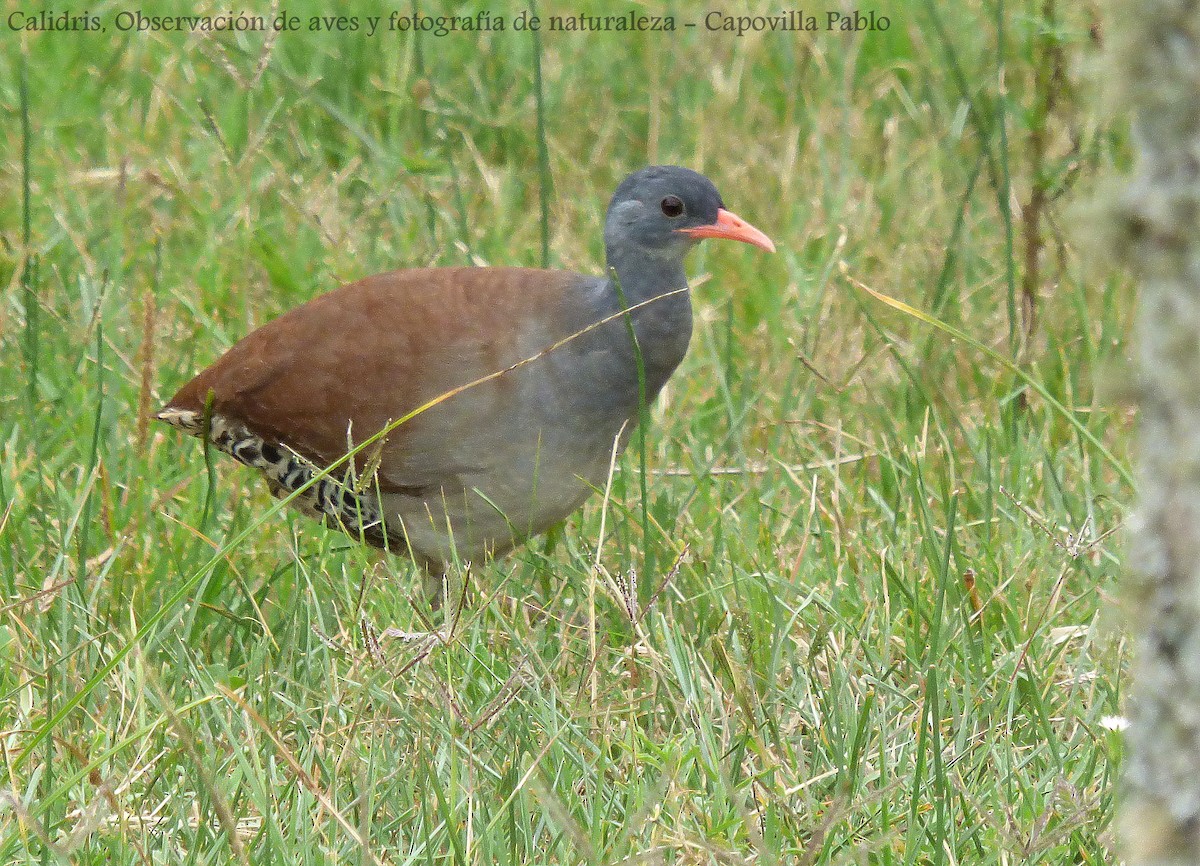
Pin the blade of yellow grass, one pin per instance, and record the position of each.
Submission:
(1007, 363)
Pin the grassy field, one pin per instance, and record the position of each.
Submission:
(875, 562)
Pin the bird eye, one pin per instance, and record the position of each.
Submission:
(672, 206)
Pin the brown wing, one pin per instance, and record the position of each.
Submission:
(349, 362)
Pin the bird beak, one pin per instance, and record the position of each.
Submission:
(731, 227)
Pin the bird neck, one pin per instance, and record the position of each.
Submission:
(644, 276)
(657, 286)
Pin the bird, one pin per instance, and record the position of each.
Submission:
(480, 405)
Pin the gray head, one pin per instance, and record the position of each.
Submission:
(664, 210)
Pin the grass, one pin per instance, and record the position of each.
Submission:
(878, 626)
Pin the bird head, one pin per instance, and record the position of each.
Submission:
(665, 210)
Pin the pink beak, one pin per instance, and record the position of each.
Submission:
(731, 227)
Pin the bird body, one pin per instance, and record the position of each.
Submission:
(537, 368)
